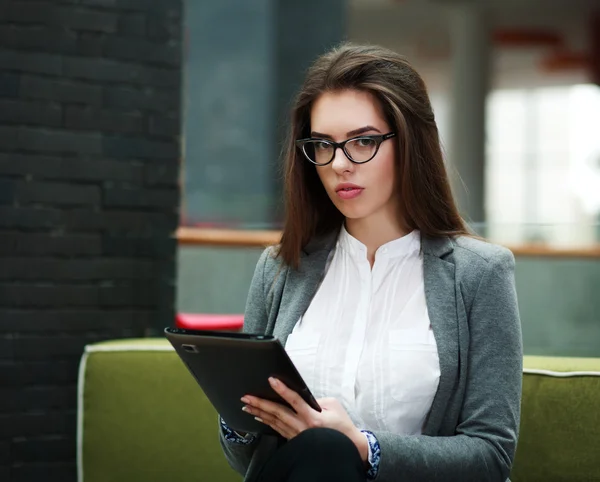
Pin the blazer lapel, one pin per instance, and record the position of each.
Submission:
(440, 295)
(301, 286)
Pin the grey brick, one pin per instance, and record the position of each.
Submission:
(130, 147)
(119, 222)
(38, 63)
(157, 100)
(104, 70)
(4, 455)
(91, 43)
(161, 174)
(28, 218)
(52, 193)
(40, 38)
(83, 19)
(79, 118)
(132, 24)
(70, 17)
(163, 77)
(9, 85)
(100, 3)
(45, 140)
(60, 245)
(142, 51)
(60, 90)
(7, 191)
(162, 29)
(72, 321)
(37, 398)
(56, 270)
(44, 167)
(9, 137)
(141, 294)
(101, 70)
(28, 112)
(139, 247)
(160, 6)
(30, 373)
(23, 425)
(28, 12)
(48, 448)
(155, 198)
(33, 347)
(26, 295)
(6, 346)
(164, 125)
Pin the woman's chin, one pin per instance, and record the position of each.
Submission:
(351, 209)
(353, 214)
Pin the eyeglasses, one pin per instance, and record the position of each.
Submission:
(358, 149)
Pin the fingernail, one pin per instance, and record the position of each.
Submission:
(245, 409)
(259, 419)
(245, 400)
(273, 381)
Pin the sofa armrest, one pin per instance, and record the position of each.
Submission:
(141, 416)
(559, 437)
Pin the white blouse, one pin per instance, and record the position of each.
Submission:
(366, 338)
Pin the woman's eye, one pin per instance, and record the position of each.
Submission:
(365, 142)
(321, 146)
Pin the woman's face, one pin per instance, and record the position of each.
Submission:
(359, 191)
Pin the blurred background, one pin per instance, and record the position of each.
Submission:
(140, 170)
(515, 89)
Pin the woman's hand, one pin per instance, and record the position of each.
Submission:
(289, 424)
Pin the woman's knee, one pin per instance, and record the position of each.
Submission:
(319, 454)
(325, 442)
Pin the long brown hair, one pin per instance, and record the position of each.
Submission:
(422, 182)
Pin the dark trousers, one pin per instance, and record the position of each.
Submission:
(316, 455)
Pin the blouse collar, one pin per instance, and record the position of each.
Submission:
(404, 246)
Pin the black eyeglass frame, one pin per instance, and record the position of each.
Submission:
(378, 138)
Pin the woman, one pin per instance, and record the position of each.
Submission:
(404, 326)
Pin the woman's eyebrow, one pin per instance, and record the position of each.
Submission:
(355, 132)
(362, 130)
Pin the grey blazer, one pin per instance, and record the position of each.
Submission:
(471, 431)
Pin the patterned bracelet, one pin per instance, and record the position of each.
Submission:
(234, 437)
(374, 455)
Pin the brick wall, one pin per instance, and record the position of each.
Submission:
(89, 161)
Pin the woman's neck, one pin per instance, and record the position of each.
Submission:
(374, 231)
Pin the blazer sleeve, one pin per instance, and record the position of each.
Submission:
(484, 444)
(255, 319)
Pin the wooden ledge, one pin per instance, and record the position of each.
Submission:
(263, 238)
(551, 252)
(227, 237)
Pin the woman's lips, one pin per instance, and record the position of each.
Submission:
(349, 192)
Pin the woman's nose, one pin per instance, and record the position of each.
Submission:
(340, 162)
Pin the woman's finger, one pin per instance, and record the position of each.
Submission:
(272, 419)
(276, 424)
(292, 397)
(275, 409)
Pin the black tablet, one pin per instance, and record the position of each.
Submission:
(228, 366)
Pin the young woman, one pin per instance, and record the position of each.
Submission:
(404, 326)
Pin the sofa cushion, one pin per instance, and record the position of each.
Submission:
(560, 421)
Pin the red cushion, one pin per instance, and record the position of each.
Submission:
(201, 321)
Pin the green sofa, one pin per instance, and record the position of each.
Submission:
(143, 418)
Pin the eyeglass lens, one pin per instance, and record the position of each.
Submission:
(361, 149)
